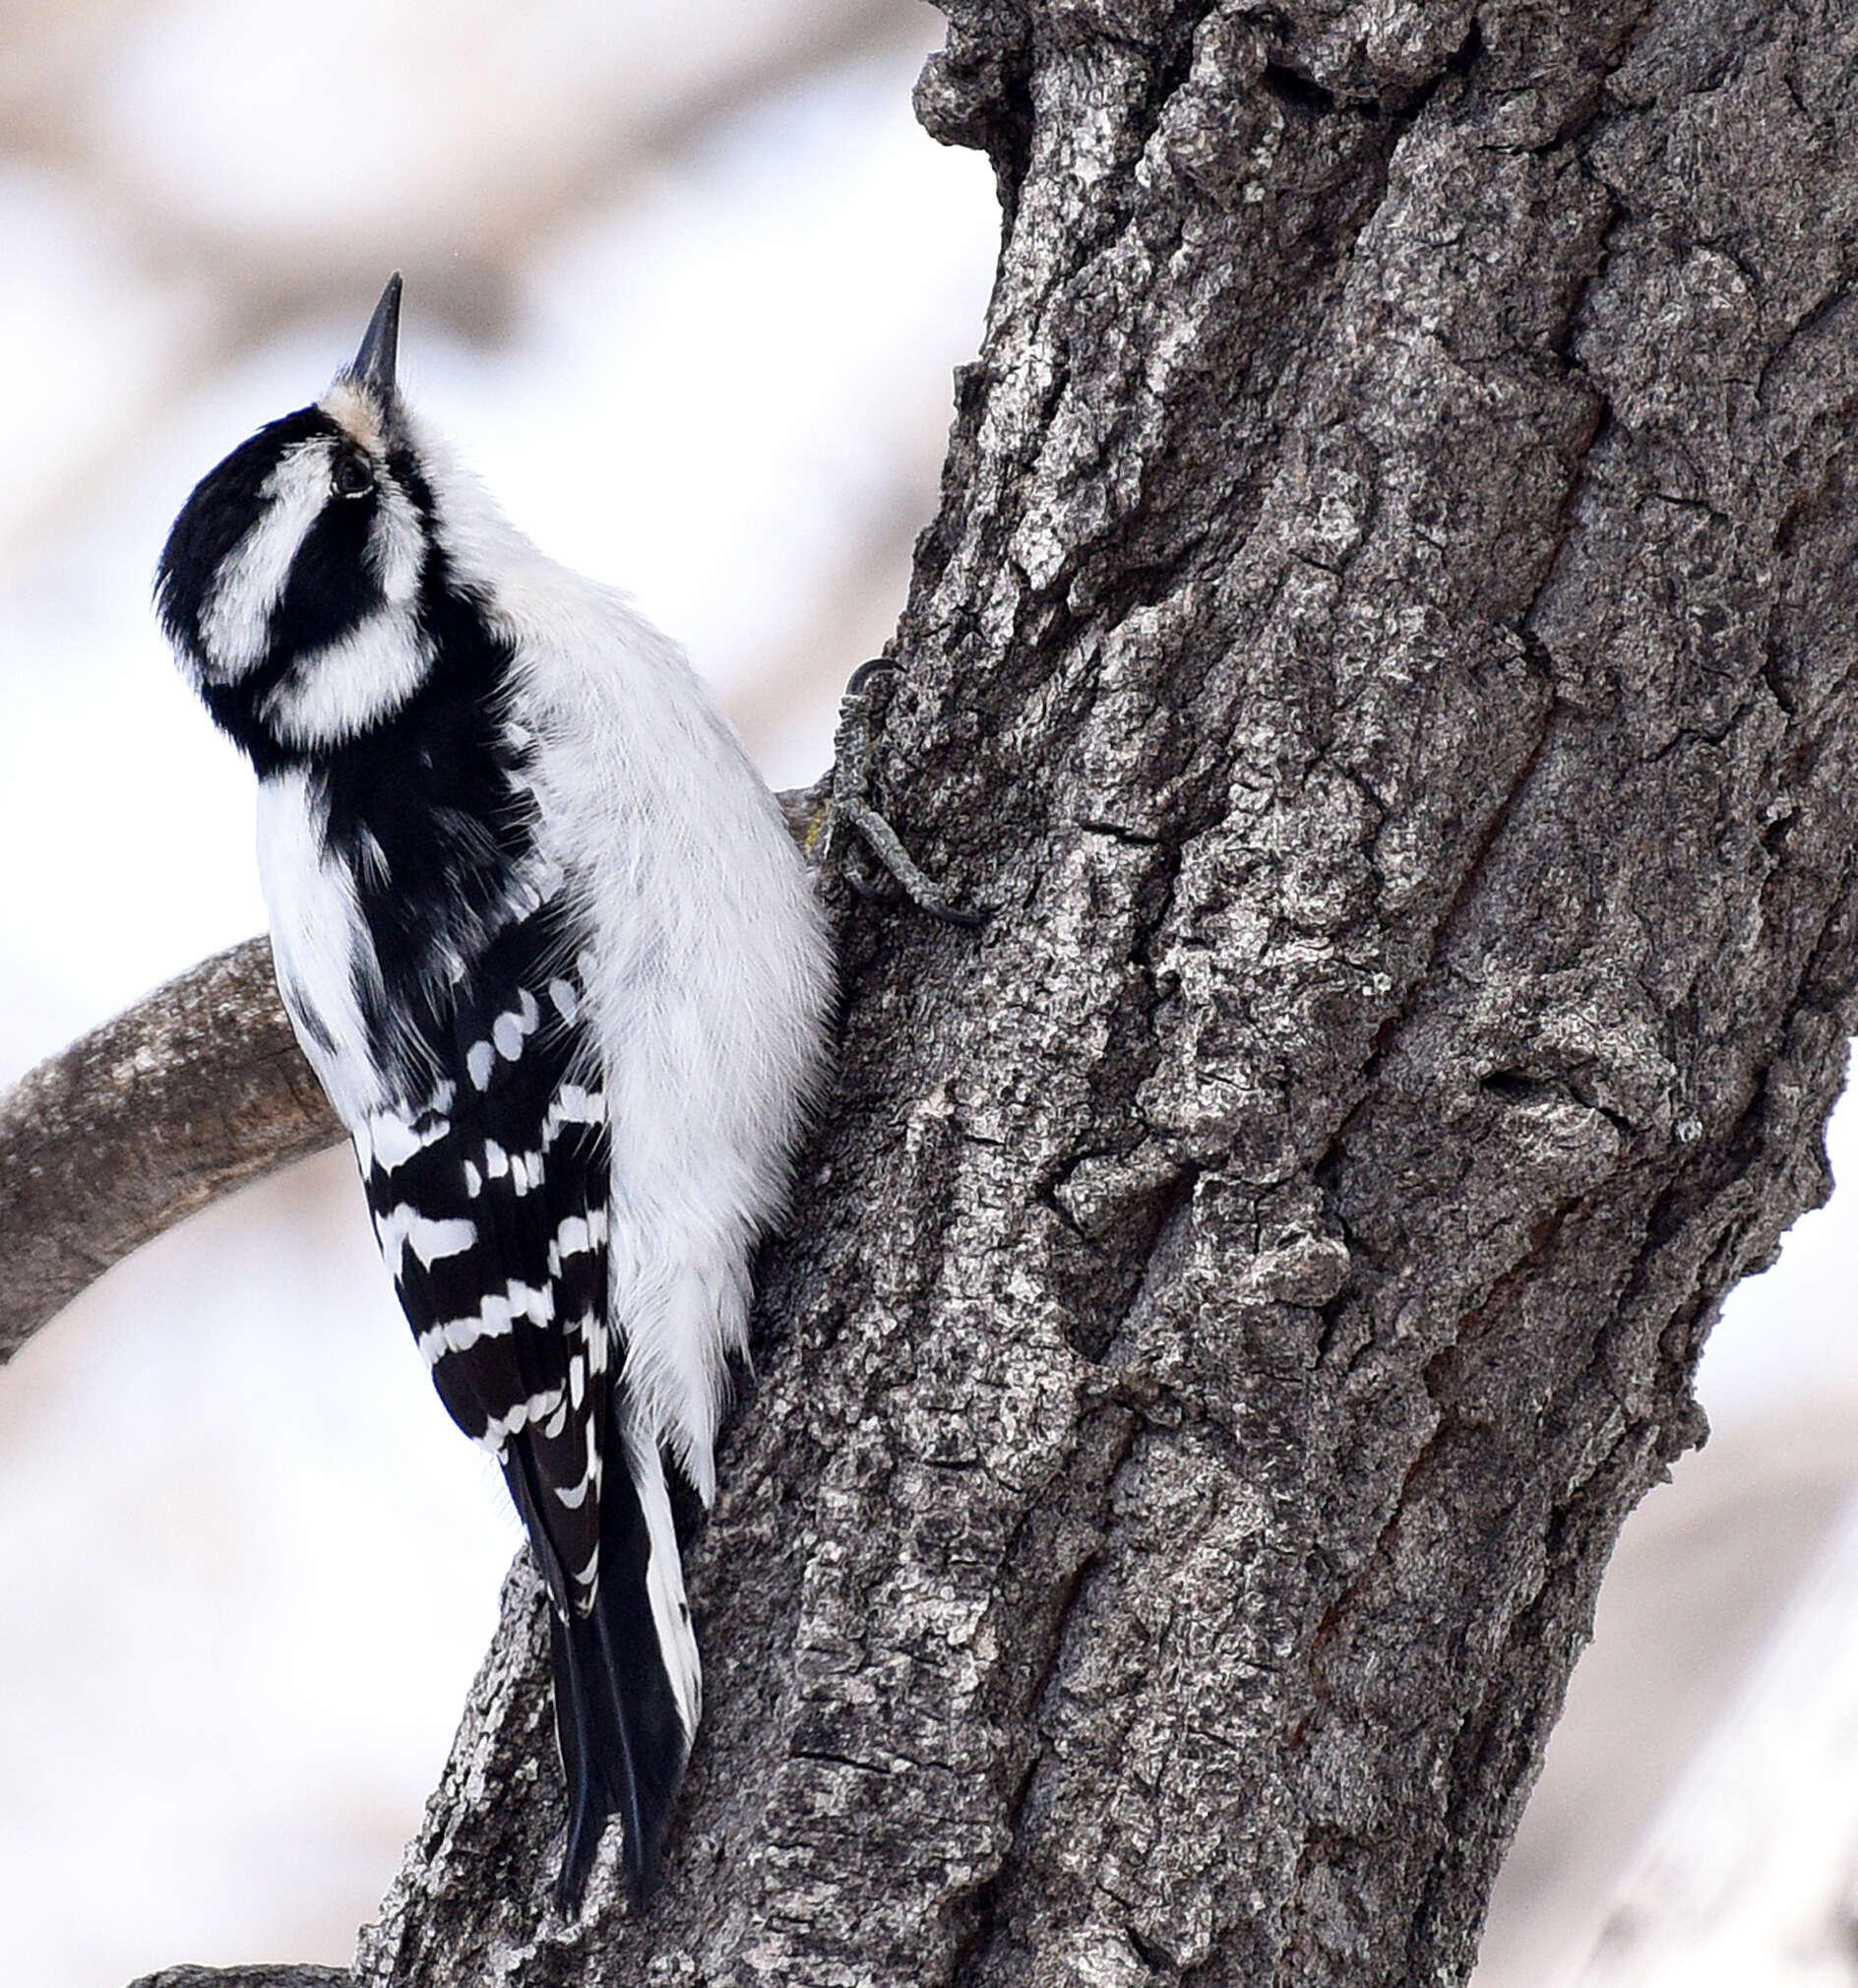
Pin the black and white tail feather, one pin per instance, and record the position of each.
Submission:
(546, 941)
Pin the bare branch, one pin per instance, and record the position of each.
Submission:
(247, 1977)
(190, 1093)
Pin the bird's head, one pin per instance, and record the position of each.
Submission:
(291, 584)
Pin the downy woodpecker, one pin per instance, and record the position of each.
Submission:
(545, 939)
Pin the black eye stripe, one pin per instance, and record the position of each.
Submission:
(351, 477)
(330, 588)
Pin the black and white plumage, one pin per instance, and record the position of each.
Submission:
(546, 941)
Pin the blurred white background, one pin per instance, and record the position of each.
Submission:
(685, 283)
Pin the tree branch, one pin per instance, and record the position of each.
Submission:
(247, 1977)
(191, 1093)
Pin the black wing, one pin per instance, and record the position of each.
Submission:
(489, 1202)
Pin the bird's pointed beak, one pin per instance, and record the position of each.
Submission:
(374, 363)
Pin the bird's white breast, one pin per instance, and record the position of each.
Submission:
(318, 941)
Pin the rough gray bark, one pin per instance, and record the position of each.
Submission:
(1382, 654)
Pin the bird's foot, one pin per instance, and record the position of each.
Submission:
(846, 826)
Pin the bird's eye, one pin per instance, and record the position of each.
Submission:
(351, 478)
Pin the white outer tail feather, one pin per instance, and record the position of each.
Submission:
(664, 1577)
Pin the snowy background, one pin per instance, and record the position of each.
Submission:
(685, 285)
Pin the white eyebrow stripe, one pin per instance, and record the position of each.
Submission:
(249, 581)
(395, 551)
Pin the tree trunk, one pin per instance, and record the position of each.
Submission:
(1382, 657)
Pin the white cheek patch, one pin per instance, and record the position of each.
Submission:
(251, 578)
(334, 693)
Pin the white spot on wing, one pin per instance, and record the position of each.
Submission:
(577, 1235)
(495, 1320)
(510, 1030)
(572, 1105)
(404, 1228)
(536, 1410)
(395, 1139)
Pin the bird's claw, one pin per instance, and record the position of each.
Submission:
(848, 813)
